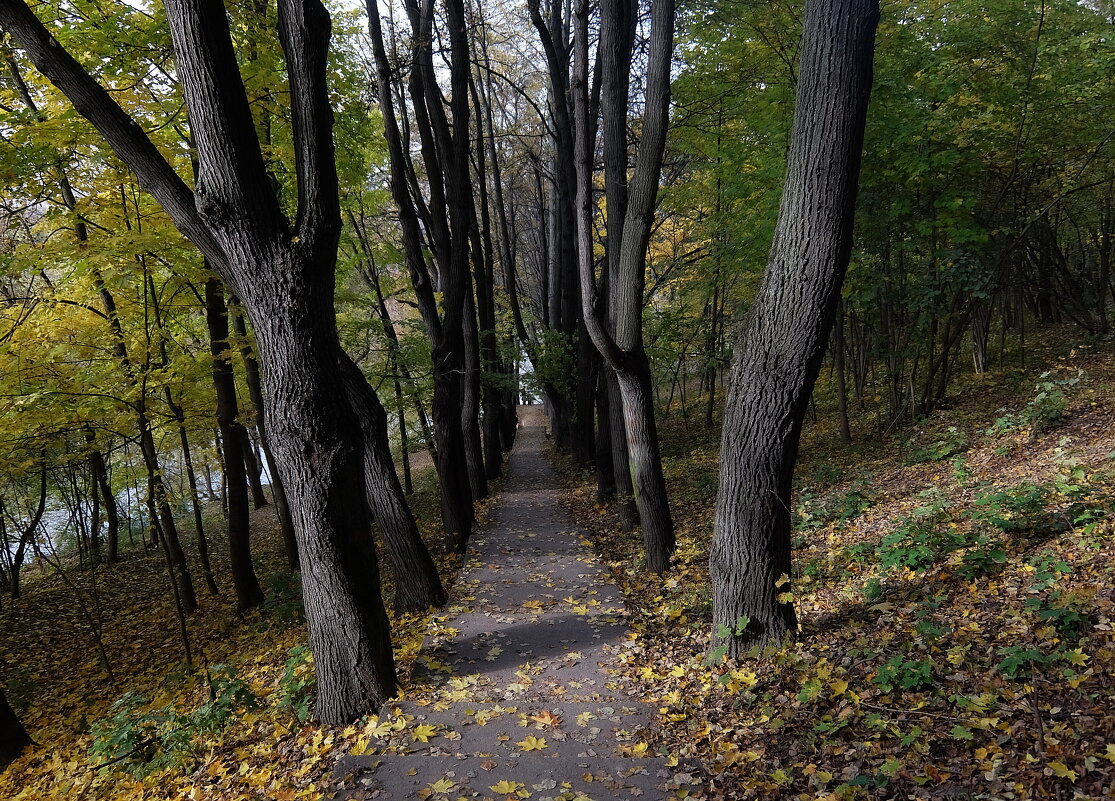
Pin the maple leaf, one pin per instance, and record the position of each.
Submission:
(1061, 770)
(532, 743)
(423, 732)
(505, 787)
(546, 718)
(443, 785)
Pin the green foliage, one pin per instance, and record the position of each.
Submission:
(952, 443)
(1010, 510)
(141, 740)
(19, 689)
(1019, 661)
(298, 683)
(283, 604)
(904, 674)
(1044, 411)
(920, 538)
(987, 558)
(724, 633)
(1068, 613)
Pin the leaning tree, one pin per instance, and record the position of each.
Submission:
(283, 271)
(777, 361)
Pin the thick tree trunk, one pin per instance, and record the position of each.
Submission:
(417, 584)
(13, 737)
(622, 348)
(778, 360)
(646, 466)
(605, 473)
(284, 273)
(248, 592)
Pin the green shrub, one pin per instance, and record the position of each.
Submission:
(987, 558)
(1019, 661)
(952, 443)
(141, 741)
(904, 674)
(297, 685)
(1013, 509)
(1045, 410)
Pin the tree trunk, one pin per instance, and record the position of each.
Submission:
(605, 473)
(27, 536)
(13, 737)
(248, 592)
(284, 271)
(108, 501)
(417, 584)
(622, 349)
(253, 470)
(470, 403)
(841, 384)
(255, 392)
(779, 357)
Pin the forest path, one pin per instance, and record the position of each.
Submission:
(511, 695)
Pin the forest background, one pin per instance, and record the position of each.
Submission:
(970, 348)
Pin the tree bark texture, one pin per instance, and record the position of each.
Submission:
(13, 737)
(283, 271)
(777, 361)
(622, 346)
(248, 592)
(255, 392)
(417, 583)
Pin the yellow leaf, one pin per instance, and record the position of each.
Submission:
(1077, 656)
(1109, 755)
(783, 580)
(505, 787)
(443, 785)
(423, 732)
(532, 743)
(1061, 770)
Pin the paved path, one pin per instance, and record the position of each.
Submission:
(511, 696)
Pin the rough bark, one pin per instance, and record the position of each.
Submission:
(284, 274)
(248, 592)
(622, 348)
(13, 737)
(447, 216)
(780, 355)
(417, 583)
(255, 392)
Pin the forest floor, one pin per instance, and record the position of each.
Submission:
(955, 582)
(955, 587)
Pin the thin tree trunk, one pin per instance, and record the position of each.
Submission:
(255, 392)
(248, 592)
(27, 536)
(417, 584)
(838, 366)
(108, 502)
